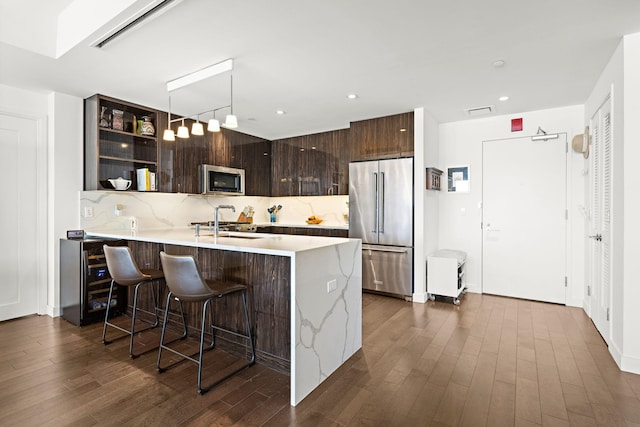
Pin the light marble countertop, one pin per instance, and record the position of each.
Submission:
(261, 243)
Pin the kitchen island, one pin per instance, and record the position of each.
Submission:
(305, 292)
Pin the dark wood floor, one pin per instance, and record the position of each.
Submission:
(491, 361)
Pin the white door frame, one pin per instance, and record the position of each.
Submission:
(41, 166)
(599, 275)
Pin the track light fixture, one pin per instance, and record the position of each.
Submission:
(213, 125)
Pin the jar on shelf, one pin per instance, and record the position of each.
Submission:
(117, 122)
(147, 126)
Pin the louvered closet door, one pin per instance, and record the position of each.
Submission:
(600, 223)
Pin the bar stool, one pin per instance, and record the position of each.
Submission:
(125, 272)
(185, 283)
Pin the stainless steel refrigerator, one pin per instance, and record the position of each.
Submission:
(381, 214)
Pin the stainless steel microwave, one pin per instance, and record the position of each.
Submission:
(221, 180)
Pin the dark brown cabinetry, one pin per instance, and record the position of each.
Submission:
(311, 165)
(115, 145)
(390, 136)
(305, 231)
(180, 160)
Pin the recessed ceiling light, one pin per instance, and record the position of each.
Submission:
(503, 98)
(403, 129)
(499, 63)
(280, 112)
(352, 96)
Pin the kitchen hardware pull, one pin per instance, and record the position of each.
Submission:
(376, 249)
(382, 207)
(375, 192)
(597, 237)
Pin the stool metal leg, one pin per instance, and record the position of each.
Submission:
(164, 328)
(106, 315)
(133, 320)
(163, 345)
(204, 320)
(207, 308)
(249, 334)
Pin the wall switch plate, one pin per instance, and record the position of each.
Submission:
(332, 285)
(88, 212)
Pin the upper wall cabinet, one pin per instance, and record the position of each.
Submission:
(120, 137)
(311, 165)
(180, 160)
(390, 136)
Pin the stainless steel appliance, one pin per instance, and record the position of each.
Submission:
(221, 180)
(381, 214)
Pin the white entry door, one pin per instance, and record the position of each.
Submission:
(524, 218)
(20, 266)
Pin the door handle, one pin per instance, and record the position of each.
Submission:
(597, 237)
(382, 207)
(375, 193)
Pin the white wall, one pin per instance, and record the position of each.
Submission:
(631, 188)
(460, 214)
(425, 201)
(65, 172)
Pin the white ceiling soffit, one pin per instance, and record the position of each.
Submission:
(103, 20)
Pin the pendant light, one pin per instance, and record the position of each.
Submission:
(231, 121)
(196, 128)
(183, 131)
(168, 134)
(214, 124)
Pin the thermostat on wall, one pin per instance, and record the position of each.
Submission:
(75, 234)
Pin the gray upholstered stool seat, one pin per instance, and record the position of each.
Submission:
(185, 283)
(125, 272)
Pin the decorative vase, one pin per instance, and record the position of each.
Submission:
(272, 217)
(147, 126)
(105, 118)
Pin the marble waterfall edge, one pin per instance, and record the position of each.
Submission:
(327, 325)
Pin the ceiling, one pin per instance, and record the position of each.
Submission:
(304, 56)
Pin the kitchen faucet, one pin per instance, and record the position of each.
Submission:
(216, 226)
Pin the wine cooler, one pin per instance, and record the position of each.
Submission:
(85, 281)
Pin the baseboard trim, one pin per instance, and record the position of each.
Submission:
(421, 297)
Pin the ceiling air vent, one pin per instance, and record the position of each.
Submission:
(480, 111)
(153, 9)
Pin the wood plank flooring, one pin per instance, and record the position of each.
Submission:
(489, 362)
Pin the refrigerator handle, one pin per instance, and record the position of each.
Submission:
(375, 195)
(382, 204)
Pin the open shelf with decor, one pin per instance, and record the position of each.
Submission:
(120, 138)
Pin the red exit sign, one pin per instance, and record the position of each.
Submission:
(516, 124)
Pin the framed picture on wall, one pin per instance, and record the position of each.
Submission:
(458, 179)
